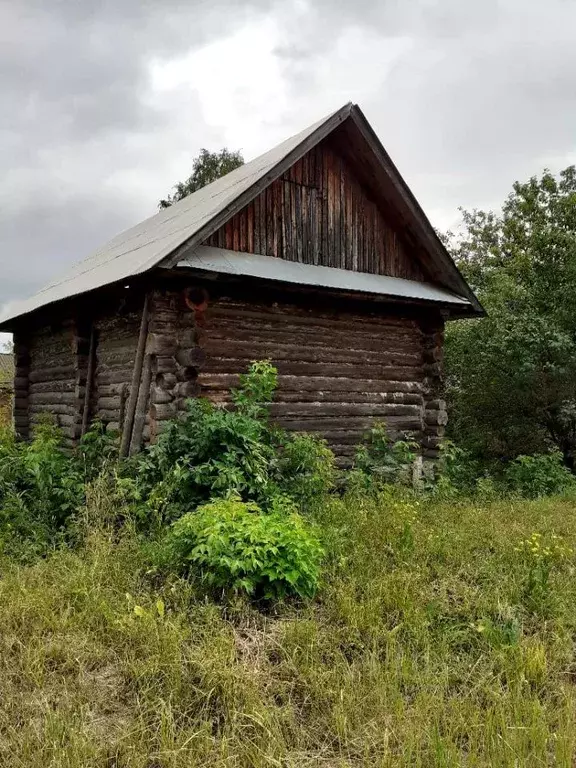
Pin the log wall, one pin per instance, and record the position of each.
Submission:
(337, 373)
(52, 378)
(319, 213)
(340, 368)
(117, 337)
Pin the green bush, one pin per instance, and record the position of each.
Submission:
(214, 452)
(42, 486)
(236, 546)
(380, 460)
(539, 475)
(306, 469)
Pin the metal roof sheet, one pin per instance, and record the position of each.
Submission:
(223, 261)
(144, 246)
(166, 237)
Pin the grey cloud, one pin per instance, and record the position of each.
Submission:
(483, 94)
(73, 78)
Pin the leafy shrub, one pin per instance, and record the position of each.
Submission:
(209, 452)
(53, 482)
(457, 473)
(42, 486)
(215, 452)
(538, 475)
(235, 545)
(256, 389)
(306, 469)
(381, 460)
(97, 448)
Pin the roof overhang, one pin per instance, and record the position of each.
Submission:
(165, 239)
(220, 261)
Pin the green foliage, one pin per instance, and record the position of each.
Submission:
(540, 475)
(206, 168)
(256, 389)
(209, 452)
(42, 486)
(216, 452)
(306, 469)
(542, 559)
(381, 460)
(512, 375)
(236, 546)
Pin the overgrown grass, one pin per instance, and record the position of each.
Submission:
(432, 643)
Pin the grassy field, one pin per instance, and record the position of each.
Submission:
(443, 635)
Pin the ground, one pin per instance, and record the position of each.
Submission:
(443, 635)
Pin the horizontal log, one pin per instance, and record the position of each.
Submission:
(188, 337)
(325, 396)
(439, 418)
(288, 383)
(163, 345)
(379, 410)
(50, 398)
(166, 380)
(188, 389)
(166, 365)
(247, 351)
(55, 408)
(436, 405)
(112, 390)
(346, 370)
(160, 395)
(286, 314)
(21, 403)
(65, 419)
(107, 414)
(398, 423)
(118, 338)
(163, 411)
(105, 376)
(55, 373)
(193, 357)
(352, 337)
(123, 356)
(109, 403)
(21, 382)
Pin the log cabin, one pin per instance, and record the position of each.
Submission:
(315, 255)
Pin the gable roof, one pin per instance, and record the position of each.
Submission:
(163, 239)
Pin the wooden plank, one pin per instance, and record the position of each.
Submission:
(136, 377)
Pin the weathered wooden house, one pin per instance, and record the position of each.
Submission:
(315, 255)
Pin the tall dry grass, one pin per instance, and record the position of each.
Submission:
(433, 642)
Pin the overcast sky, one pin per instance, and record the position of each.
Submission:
(104, 104)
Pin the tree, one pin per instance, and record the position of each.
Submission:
(512, 376)
(206, 168)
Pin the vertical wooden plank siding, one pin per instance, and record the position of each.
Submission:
(318, 213)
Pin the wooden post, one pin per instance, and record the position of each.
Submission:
(89, 380)
(136, 376)
(141, 407)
